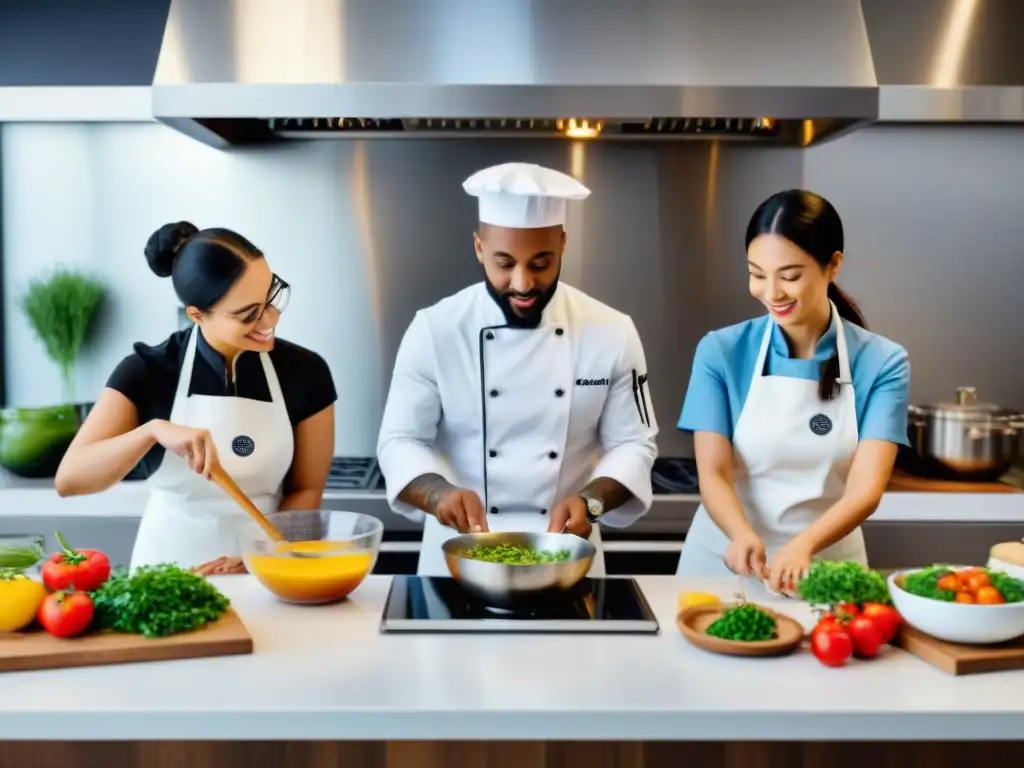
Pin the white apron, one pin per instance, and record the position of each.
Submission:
(190, 520)
(527, 407)
(793, 453)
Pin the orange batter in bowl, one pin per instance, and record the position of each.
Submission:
(311, 571)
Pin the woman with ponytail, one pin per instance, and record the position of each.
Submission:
(797, 415)
(223, 392)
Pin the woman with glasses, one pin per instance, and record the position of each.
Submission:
(223, 392)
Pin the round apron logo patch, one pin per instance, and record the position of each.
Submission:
(821, 424)
(243, 445)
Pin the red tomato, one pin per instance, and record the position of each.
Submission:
(989, 596)
(949, 582)
(977, 581)
(845, 610)
(66, 614)
(885, 617)
(80, 569)
(831, 644)
(826, 620)
(867, 637)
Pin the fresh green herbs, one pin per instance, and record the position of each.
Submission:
(513, 554)
(925, 583)
(157, 601)
(832, 582)
(744, 622)
(1010, 588)
(60, 310)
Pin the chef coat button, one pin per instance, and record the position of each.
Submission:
(492, 453)
(494, 510)
(493, 393)
(543, 511)
(489, 335)
(559, 392)
(559, 331)
(552, 455)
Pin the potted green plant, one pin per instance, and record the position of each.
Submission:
(61, 309)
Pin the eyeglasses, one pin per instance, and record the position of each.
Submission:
(277, 300)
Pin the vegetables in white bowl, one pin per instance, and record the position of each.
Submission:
(934, 600)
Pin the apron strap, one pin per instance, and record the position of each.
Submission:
(842, 351)
(762, 355)
(273, 383)
(187, 365)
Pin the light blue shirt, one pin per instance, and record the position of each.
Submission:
(724, 366)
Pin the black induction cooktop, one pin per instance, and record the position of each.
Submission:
(435, 604)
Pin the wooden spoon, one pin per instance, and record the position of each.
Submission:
(221, 478)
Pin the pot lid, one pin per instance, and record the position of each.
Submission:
(967, 402)
(966, 405)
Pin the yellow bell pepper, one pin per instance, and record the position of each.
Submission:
(20, 598)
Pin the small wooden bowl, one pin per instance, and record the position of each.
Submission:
(693, 623)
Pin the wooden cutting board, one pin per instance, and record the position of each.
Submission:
(956, 659)
(904, 481)
(37, 649)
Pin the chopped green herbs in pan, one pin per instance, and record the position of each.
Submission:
(513, 554)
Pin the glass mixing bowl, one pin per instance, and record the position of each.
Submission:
(325, 557)
(22, 551)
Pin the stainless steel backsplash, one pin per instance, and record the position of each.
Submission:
(367, 232)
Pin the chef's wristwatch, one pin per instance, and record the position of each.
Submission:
(595, 508)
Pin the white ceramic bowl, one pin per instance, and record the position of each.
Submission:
(957, 622)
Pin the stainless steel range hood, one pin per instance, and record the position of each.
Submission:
(792, 72)
(948, 61)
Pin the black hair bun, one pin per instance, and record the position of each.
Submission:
(164, 244)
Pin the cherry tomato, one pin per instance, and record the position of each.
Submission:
(831, 644)
(66, 614)
(964, 597)
(867, 637)
(976, 581)
(886, 618)
(989, 596)
(949, 582)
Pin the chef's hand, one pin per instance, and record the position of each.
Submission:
(570, 516)
(222, 566)
(790, 565)
(461, 509)
(745, 556)
(196, 445)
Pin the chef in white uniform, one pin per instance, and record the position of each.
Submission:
(223, 391)
(519, 403)
(797, 415)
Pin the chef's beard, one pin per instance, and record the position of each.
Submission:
(532, 317)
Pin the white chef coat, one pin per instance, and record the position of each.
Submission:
(522, 417)
(792, 453)
(190, 520)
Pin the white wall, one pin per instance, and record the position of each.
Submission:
(90, 195)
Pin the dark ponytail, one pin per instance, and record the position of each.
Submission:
(810, 222)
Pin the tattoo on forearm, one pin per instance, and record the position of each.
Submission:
(425, 491)
(611, 492)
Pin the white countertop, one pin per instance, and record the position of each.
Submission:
(327, 673)
(37, 498)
